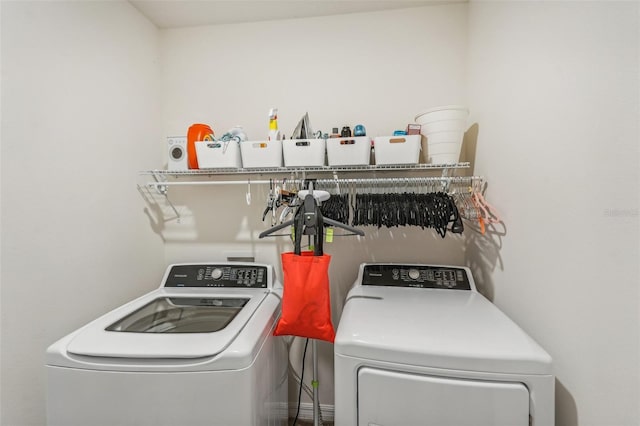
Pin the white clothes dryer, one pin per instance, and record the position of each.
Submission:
(199, 350)
(417, 345)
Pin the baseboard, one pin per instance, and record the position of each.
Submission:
(306, 411)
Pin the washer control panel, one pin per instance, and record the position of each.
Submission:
(210, 275)
(421, 276)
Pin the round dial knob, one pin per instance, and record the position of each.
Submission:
(216, 274)
(414, 274)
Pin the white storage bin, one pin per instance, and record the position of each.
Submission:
(257, 154)
(303, 152)
(218, 154)
(446, 112)
(354, 151)
(403, 149)
(444, 128)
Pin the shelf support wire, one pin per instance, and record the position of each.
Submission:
(161, 187)
(159, 184)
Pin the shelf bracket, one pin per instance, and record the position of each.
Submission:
(164, 190)
(159, 178)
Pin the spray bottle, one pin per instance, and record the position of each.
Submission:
(274, 133)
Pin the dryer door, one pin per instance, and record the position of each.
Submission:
(405, 399)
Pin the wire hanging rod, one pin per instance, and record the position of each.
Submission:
(398, 180)
(331, 181)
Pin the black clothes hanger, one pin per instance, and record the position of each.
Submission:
(336, 208)
(310, 214)
(436, 210)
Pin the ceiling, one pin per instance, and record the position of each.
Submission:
(188, 13)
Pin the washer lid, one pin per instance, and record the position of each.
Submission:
(437, 328)
(170, 324)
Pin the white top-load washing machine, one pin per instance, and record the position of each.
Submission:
(418, 345)
(199, 350)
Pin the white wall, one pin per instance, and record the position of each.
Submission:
(79, 120)
(554, 87)
(378, 69)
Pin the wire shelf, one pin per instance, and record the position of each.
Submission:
(320, 169)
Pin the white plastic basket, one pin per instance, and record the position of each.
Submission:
(303, 152)
(354, 151)
(218, 154)
(403, 149)
(257, 154)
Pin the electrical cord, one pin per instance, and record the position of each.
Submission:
(307, 389)
(304, 354)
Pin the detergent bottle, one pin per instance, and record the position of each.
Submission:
(274, 133)
(197, 132)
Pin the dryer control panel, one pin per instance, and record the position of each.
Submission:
(211, 275)
(421, 276)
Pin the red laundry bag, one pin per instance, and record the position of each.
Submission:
(306, 306)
